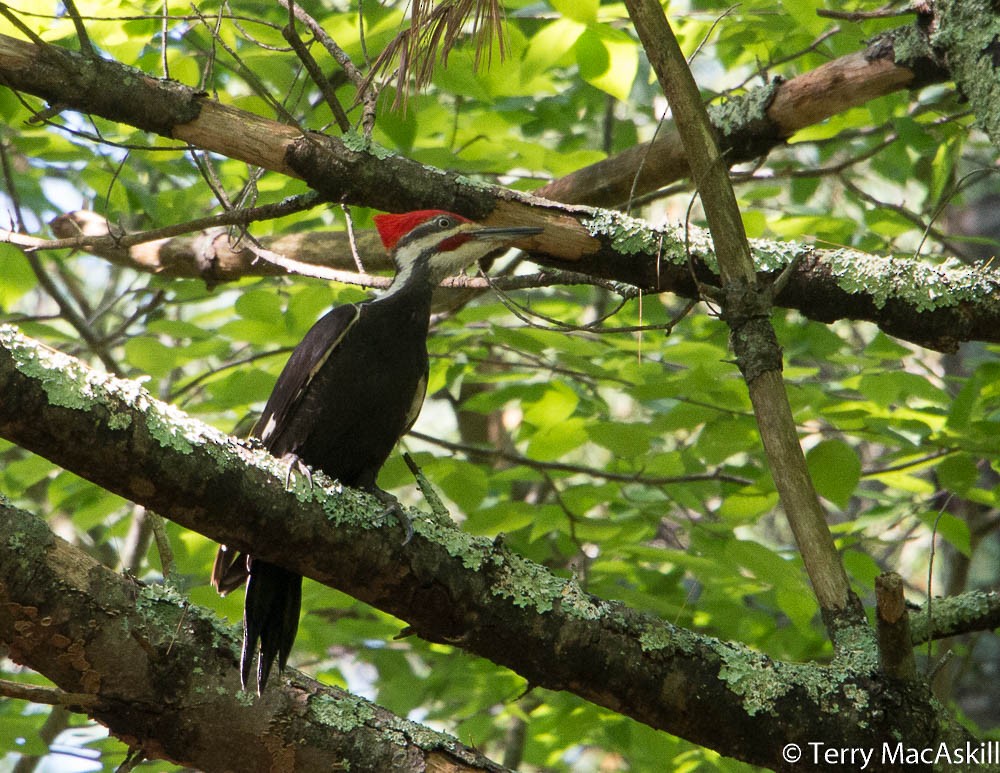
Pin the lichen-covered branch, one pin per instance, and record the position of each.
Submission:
(969, 31)
(938, 307)
(966, 613)
(161, 674)
(753, 124)
(448, 586)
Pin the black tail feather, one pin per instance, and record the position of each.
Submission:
(270, 619)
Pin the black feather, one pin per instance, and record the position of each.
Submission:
(270, 619)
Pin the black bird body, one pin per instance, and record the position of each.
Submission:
(349, 391)
(374, 406)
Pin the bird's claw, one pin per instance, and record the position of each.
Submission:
(294, 462)
(392, 507)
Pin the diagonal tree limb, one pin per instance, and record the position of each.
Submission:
(746, 309)
(931, 306)
(161, 673)
(450, 587)
(751, 125)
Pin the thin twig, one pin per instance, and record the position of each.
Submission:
(240, 217)
(888, 11)
(164, 30)
(86, 47)
(20, 25)
(351, 238)
(49, 696)
(315, 71)
(638, 477)
(319, 272)
(366, 94)
(249, 76)
(162, 543)
(427, 489)
(930, 589)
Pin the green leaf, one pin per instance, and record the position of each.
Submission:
(554, 441)
(608, 59)
(465, 484)
(835, 470)
(626, 440)
(18, 278)
(259, 305)
(501, 518)
(150, 356)
(952, 528)
(748, 505)
(584, 11)
(550, 46)
(957, 473)
(555, 406)
(898, 388)
(943, 169)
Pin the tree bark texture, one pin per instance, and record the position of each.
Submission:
(164, 674)
(450, 587)
(934, 307)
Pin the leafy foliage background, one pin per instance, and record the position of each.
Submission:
(630, 459)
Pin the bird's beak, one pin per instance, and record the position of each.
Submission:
(504, 232)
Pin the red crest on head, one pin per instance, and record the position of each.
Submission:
(392, 228)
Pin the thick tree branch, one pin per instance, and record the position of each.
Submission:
(938, 308)
(933, 307)
(161, 674)
(973, 55)
(967, 613)
(450, 587)
(753, 124)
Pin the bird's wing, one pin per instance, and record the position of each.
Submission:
(309, 356)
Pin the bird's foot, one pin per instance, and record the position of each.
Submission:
(392, 507)
(292, 463)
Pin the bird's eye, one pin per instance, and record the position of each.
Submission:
(444, 222)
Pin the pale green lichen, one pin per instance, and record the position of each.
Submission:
(753, 677)
(473, 551)
(745, 110)
(627, 235)
(527, 585)
(922, 285)
(769, 256)
(577, 603)
(68, 383)
(345, 506)
(427, 738)
(762, 682)
(967, 31)
(345, 714)
(468, 182)
(657, 635)
(953, 612)
(159, 593)
(910, 45)
(359, 143)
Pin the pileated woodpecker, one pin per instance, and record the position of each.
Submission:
(349, 391)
